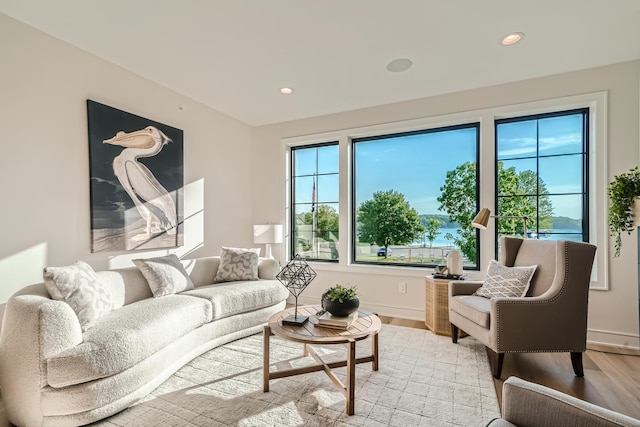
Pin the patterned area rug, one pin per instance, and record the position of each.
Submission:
(423, 380)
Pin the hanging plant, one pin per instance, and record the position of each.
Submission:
(622, 191)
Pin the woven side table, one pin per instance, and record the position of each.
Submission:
(437, 306)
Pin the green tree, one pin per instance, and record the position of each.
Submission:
(328, 220)
(458, 199)
(387, 219)
(519, 187)
(433, 227)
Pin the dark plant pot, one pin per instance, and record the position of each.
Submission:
(341, 309)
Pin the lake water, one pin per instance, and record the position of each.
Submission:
(558, 234)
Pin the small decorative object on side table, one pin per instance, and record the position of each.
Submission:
(296, 276)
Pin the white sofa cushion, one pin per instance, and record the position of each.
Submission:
(127, 336)
(237, 264)
(228, 299)
(78, 285)
(165, 275)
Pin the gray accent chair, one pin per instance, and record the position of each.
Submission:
(526, 404)
(552, 317)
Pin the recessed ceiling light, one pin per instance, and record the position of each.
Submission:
(399, 65)
(286, 90)
(512, 38)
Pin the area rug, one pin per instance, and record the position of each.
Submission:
(423, 380)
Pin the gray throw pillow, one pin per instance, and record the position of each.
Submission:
(78, 285)
(237, 264)
(166, 275)
(505, 281)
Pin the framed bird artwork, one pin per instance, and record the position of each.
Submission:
(136, 168)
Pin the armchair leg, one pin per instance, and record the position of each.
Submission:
(454, 333)
(497, 372)
(576, 362)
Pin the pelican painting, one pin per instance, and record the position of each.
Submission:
(136, 167)
(152, 200)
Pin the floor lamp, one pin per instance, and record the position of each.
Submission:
(482, 219)
(267, 234)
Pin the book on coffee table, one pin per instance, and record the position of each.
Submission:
(328, 320)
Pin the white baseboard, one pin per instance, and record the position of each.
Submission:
(613, 339)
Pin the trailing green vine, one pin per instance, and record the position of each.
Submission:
(622, 191)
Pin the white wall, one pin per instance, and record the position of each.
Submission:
(44, 172)
(44, 159)
(613, 314)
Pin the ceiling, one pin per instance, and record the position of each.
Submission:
(235, 55)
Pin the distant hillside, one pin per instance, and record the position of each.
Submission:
(566, 223)
(443, 218)
(559, 222)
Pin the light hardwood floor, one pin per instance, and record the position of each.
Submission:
(610, 380)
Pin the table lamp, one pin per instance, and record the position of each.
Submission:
(267, 234)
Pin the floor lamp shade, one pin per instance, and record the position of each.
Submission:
(267, 234)
(482, 219)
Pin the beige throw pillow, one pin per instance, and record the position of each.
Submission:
(237, 264)
(505, 281)
(166, 275)
(78, 285)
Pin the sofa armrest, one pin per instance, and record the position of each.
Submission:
(34, 328)
(463, 287)
(529, 404)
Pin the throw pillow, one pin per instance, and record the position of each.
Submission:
(237, 264)
(166, 275)
(505, 281)
(78, 285)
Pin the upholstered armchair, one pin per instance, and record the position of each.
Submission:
(528, 404)
(551, 317)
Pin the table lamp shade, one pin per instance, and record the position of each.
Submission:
(267, 233)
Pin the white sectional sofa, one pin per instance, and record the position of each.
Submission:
(54, 374)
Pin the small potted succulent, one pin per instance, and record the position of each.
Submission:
(340, 300)
(623, 193)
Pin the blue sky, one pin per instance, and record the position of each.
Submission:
(382, 164)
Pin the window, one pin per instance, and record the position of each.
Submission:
(542, 173)
(414, 196)
(315, 213)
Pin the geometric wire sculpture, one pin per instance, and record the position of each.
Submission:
(296, 276)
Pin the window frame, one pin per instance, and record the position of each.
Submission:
(292, 218)
(585, 194)
(598, 178)
(352, 182)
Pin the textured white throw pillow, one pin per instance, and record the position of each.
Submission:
(237, 264)
(505, 281)
(78, 285)
(166, 275)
